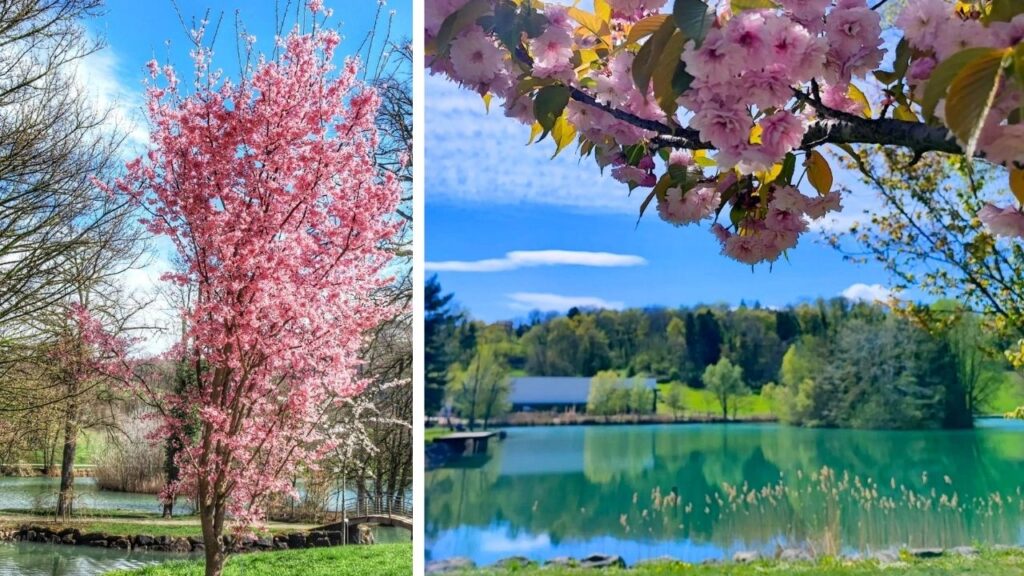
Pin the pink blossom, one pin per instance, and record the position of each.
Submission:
(476, 60)
(679, 207)
(436, 11)
(552, 53)
(1007, 221)
(922, 20)
(782, 132)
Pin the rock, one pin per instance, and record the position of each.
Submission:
(144, 540)
(795, 555)
(964, 551)
(97, 543)
(885, 557)
(280, 544)
(121, 544)
(602, 561)
(180, 545)
(449, 565)
(335, 536)
(319, 542)
(296, 540)
(263, 543)
(925, 552)
(513, 562)
(67, 540)
(746, 557)
(561, 561)
(73, 532)
(90, 537)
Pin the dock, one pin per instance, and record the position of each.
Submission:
(467, 442)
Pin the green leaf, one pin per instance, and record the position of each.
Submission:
(634, 153)
(971, 94)
(664, 74)
(943, 74)
(694, 18)
(741, 5)
(818, 172)
(647, 57)
(1004, 10)
(902, 61)
(788, 169)
(548, 106)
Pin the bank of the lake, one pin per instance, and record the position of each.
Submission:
(987, 562)
(378, 559)
(706, 491)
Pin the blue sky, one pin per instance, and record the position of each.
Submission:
(487, 194)
(136, 32)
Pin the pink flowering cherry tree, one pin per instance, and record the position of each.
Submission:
(268, 189)
(726, 106)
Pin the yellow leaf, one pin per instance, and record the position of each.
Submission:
(1017, 184)
(857, 96)
(755, 134)
(603, 10)
(903, 112)
(700, 158)
(593, 23)
(818, 172)
(645, 27)
(487, 101)
(562, 133)
(971, 94)
(535, 130)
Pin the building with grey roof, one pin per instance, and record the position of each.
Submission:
(557, 393)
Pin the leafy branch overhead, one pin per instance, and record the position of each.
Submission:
(709, 106)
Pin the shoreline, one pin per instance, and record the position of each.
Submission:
(786, 561)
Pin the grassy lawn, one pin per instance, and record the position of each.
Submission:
(1008, 395)
(988, 563)
(436, 432)
(379, 559)
(130, 525)
(697, 401)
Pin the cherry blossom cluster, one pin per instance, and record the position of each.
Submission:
(936, 32)
(757, 80)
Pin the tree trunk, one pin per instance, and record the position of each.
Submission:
(66, 496)
(212, 541)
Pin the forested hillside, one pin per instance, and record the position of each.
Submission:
(824, 363)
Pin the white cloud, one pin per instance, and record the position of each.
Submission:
(99, 75)
(867, 292)
(530, 258)
(478, 157)
(520, 543)
(558, 303)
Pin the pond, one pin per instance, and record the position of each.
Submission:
(41, 492)
(706, 491)
(26, 559)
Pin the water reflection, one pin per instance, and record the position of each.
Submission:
(25, 559)
(546, 492)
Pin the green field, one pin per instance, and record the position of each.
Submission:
(1010, 562)
(379, 560)
(1008, 395)
(701, 402)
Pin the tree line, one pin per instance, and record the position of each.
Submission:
(830, 362)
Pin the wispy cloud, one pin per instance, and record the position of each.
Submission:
(477, 157)
(99, 75)
(557, 302)
(531, 258)
(861, 292)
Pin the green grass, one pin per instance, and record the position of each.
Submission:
(125, 529)
(379, 559)
(1008, 395)
(697, 401)
(90, 445)
(82, 513)
(429, 434)
(1009, 562)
